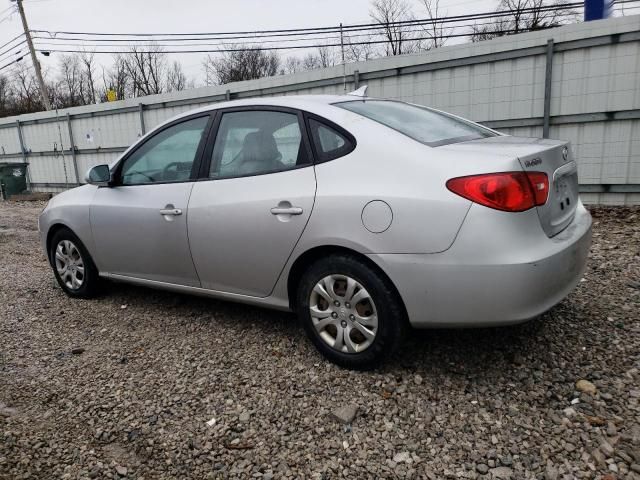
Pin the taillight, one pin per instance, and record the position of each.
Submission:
(507, 191)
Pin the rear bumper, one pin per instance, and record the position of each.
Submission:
(502, 269)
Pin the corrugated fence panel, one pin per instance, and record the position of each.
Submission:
(9, 142)
(597, 79)
(156, 116)
(52, 169)
(105, 131)
(43, 137)
(634, 164)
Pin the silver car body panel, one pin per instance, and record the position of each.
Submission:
(134, 239)
(237, 243)
(453, 263)
(553, 157)
(502, 269)
(278, 303)
(69, 209)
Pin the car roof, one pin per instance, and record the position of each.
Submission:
(311, 103)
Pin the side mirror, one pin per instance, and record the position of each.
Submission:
(99, 175)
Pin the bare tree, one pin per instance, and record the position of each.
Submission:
(310, 61)
(435, 29)
(6, 97)
(323, 57)
(360, 50)
(291, 65)
(88, 72)
(327, 56)
(526, 15)
(146, 67)
(26, 90)
(210, 77)
(399, 37)
(115, 79)
(139, 72)
(70, 86)
(241, 64)
(176, 79)
(496, 28)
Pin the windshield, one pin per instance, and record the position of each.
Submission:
(428, 126)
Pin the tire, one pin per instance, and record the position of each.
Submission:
(341, 319)
(75, 282)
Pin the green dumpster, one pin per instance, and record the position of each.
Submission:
(13, 179)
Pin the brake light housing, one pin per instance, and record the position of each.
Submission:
(506, 191)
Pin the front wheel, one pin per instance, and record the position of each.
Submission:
(72, 265)
(350, 312)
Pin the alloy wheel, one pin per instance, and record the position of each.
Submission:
(69, 264)
(343, 314)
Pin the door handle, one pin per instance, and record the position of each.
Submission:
(286, 211)
(170, 211)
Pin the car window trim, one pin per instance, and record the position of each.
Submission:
(205, 167)
(195, 167)
(319, 155)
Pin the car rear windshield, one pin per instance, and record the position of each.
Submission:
(428, 126)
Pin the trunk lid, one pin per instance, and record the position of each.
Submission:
(553, 157)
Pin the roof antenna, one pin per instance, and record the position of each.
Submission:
(361, 92)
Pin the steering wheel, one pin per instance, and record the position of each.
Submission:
(170, 166)
(167, 168)
(128, 174)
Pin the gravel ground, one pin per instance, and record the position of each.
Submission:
(144, 384)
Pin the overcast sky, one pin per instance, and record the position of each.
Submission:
(149, 16)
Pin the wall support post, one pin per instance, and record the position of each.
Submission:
(547, 89)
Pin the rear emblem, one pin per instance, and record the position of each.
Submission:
(565, 153)
(532, 163)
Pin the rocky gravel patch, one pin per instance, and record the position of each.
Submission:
(146, 384)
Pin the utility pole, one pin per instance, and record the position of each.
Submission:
(344, 66)
(36, 63)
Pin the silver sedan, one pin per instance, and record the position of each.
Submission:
(364, 216)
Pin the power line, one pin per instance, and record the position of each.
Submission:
(265, 36)
(7, 9)
(9, 64)
(60, 40)
(294, 47)
(334, 28)
(349, 40)
(259, 35)
(12, 40)
(269, 36)
(152, 43)
(11, 50)
(5, 18)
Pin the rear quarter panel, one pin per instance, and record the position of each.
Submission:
(409, 176)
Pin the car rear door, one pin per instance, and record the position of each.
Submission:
(139, 224)
(254, 199)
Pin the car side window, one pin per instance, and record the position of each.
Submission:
(255, 142)
(329, 143)
(168, 156)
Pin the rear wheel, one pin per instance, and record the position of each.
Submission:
(72, 265)
(350, 312)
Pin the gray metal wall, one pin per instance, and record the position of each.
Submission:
(579, 82)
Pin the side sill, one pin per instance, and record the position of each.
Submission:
(267, 302)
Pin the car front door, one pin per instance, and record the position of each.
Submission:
(139, 224)
(250, 209)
